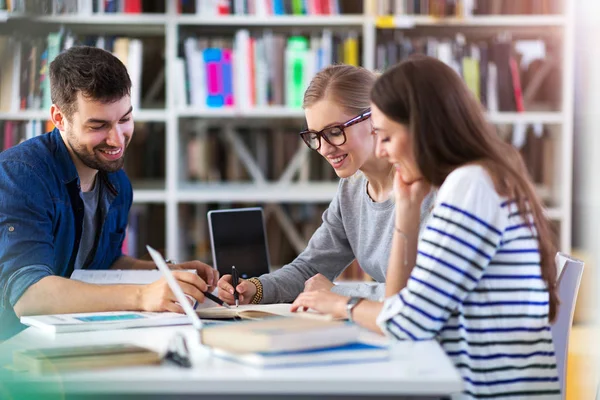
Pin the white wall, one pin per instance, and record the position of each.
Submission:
(586, 180)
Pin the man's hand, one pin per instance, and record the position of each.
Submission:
(209, 274)
(318, 282)
(245, 289)
(158, 296)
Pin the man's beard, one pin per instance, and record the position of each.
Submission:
(92, 160)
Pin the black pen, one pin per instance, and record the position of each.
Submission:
(214, 298)
(235, 280)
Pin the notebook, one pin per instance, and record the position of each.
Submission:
(83, 357)
(345, 354)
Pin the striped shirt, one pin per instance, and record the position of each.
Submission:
(477, 288)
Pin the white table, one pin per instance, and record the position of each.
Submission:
(418, 369)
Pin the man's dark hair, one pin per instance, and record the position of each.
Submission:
(94, 72)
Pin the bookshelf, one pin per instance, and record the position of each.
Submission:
(174, 192)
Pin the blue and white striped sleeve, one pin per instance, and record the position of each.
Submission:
(460, 239)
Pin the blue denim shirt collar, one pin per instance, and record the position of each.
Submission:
(66, 167)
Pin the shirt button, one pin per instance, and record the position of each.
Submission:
(11, 228)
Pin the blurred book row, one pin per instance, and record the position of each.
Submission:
(269, 7)
(82, 7)
(24, 62)
(466, 8)
(437, 8)
(211, 157)
(505, 75)
(13, 132)
(258, 69)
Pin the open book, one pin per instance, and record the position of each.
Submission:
(257, 311)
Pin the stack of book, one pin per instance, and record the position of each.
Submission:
(291, 342)
(41, 361)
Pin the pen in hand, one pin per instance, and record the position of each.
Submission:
(214, 298)
(235, 280)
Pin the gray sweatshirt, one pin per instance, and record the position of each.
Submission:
(354, 226)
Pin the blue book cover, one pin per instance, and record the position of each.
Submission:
(278, 7)
(356, 352)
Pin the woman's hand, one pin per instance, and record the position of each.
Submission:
(318, 282)
(409, 197)
(245, 289)
(322, 301)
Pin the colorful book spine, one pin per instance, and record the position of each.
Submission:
(214, 77)
(297, 47)
(227, 73)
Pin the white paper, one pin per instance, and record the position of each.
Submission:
(118, 276)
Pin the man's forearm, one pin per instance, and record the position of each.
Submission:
(126, 262)
(56, 295)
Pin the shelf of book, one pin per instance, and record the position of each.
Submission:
(96, 19)
(149, 196)
(174, 28)
(147, 115)
(275, 112)
(309, 192)
(256, 112)
(272, 20)
(503, 21)
(526, 118)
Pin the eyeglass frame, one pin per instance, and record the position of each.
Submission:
(353, 121)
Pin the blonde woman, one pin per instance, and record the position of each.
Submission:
(359, 221)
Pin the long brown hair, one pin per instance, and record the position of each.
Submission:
(346, 85)
(449, 129)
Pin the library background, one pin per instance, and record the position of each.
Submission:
(217, 92)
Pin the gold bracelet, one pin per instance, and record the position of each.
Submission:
(405, 244)
(259, 290)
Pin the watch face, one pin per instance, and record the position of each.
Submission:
(354, 300)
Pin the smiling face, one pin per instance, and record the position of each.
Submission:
(349, 157)
(98, 133)
(394, 144)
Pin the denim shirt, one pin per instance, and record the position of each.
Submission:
(41, 217)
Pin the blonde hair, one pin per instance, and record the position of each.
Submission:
(346, 85)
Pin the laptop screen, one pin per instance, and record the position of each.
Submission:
(238, 239)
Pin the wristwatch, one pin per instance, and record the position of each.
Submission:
(352, 302)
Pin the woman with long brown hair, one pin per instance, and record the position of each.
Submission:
(480, 278)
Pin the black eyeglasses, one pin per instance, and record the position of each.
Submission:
(334, 135)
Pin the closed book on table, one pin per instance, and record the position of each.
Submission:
(344, 354)
(279, 334)
(83, 357)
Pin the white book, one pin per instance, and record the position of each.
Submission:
(196, 72)
(179, 82)
(241, 57)
(345, 354)
(16, 83)
(118, 276)
(134, 67)
(81, 322)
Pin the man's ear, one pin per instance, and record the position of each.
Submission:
(58, 118)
